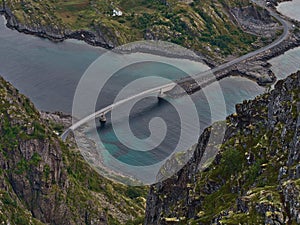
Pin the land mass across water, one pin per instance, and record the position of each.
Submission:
(266, 25)
(217, 30)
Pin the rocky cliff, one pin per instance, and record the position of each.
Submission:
(254, 178)
(44, 181)
(216, 29)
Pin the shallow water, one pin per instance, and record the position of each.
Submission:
(48, 74)
(290, 9)
(286, 64)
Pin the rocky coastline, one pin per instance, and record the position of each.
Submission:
(46, 181)
(255, 68)
(96, 38)
(89, 150)
(269, 119)
(56, 35)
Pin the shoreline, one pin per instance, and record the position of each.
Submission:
(54, 35)
(231, 71)
(97, 40)
(88, 37)
(88, 150)
(262, 74)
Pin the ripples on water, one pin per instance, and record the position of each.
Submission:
(286, 64)
(235, 91)
(48, 74)
(290, 8)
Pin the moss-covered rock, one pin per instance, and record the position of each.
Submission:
(214, 28)
(254, 178)
(43, 180)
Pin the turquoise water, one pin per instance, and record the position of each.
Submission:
(117, 155)
(48, 74)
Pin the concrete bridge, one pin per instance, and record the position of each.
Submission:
(202, 79)
(102, 112)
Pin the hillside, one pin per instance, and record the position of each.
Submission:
(254, 178)
(214, 28)
(44, 181)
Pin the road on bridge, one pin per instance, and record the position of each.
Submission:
(287, 26)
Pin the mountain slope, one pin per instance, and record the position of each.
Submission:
(214, 28)
(42, 180)
(255, 177)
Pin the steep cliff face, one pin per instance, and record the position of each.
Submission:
(42, 180)
(255, 177)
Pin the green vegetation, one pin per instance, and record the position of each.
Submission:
(14, 212)
(253, 177)
(37, 158)
(78, 169)
(255, 180)
(201, 25)
(258, 180)
(232, 161)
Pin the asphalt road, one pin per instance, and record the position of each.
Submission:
(287, 26)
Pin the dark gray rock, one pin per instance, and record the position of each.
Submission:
(174, 198)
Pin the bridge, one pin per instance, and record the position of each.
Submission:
(102, 112)
(201, 78)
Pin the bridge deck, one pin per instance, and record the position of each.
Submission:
(107, 109)
(200, 78)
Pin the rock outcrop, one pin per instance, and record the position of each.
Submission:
(211, 28)
(45, 181)
(254, 178)
(56, 32)
(256, 21)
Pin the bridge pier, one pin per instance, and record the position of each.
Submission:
(161, 94)
(102, 118)
(100, 114)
